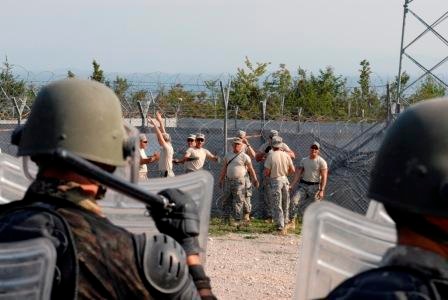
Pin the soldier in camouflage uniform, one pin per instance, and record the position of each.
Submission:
(278, 166)
(233, 175)
(249, 150)
(80, 120)
(410, 178)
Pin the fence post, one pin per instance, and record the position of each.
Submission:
(263, 113)
(236, 116)
(299, 114)
(225, 97)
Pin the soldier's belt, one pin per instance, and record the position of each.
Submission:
(308, 182)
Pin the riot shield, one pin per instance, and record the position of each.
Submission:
(121, 210)
(27, 269)
(13, 183)
(337, 244)
(132, 215)
(377, 213)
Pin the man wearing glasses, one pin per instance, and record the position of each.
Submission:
(144, 159)
(194, 158)
(311, 175)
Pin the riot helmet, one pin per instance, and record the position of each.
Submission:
(410, 173)
(81, 116)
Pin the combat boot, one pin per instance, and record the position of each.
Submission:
(246, 220)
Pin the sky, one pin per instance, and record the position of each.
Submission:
(214, 36)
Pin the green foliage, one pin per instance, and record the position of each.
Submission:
(246, 89)
(11, 85)
(97, 73)
(394, 86)
(365, 102)
(120, 86)
(429, 88)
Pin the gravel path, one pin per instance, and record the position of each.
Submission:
(243, 266)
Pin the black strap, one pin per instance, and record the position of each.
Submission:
(233, 158)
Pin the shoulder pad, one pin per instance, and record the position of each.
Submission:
(164, 264)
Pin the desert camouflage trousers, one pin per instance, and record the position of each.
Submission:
(279, 198)
(302, 198)
(236, 201)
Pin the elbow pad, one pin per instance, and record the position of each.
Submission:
(165, 269)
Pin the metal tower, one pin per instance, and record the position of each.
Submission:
(429, 28)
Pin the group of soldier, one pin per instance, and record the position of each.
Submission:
(237, 175)
(75, 135)
(308, 183)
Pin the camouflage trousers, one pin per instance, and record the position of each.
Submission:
(247, 207)
(303, 196)
(234, 198)
(279, 198)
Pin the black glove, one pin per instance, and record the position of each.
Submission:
(182, 222)
(268, 148)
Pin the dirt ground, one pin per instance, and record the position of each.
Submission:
(243, 266)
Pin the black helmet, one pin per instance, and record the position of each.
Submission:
(81, 116)
(411, 168)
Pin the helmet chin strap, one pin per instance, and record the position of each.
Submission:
(94, 172)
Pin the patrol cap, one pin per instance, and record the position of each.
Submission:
(191, 137)
(241, 133)
(316, 144)
(237, 140)
(142, 137)
(200, 136)
(273, 133)
(276, 141)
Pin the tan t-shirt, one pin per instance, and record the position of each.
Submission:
(279, 163)
(143, 168)
(312, 167)
(166, 157)
(201, 154)
(237, 167)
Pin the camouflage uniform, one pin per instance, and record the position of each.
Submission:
(279, 197)
(235, 199)
(95, 258)
(247, 207)
(304, 195)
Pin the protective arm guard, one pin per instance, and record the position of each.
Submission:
(162, 262)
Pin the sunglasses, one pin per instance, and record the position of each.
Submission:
(145, 142)
(190, 140)
(200, 140)
(314, 148)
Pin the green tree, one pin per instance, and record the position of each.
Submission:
(97, 73)
(120, 86)
(278, 86)
(428, 89)
(394, 86)
(364, 99)
(246, 89)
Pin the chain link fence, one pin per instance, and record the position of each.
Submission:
(349, 147)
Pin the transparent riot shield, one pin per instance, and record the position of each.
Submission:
(27, 269)
(121, 210)
(132, 215)
(13, 182)
(337, 244)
